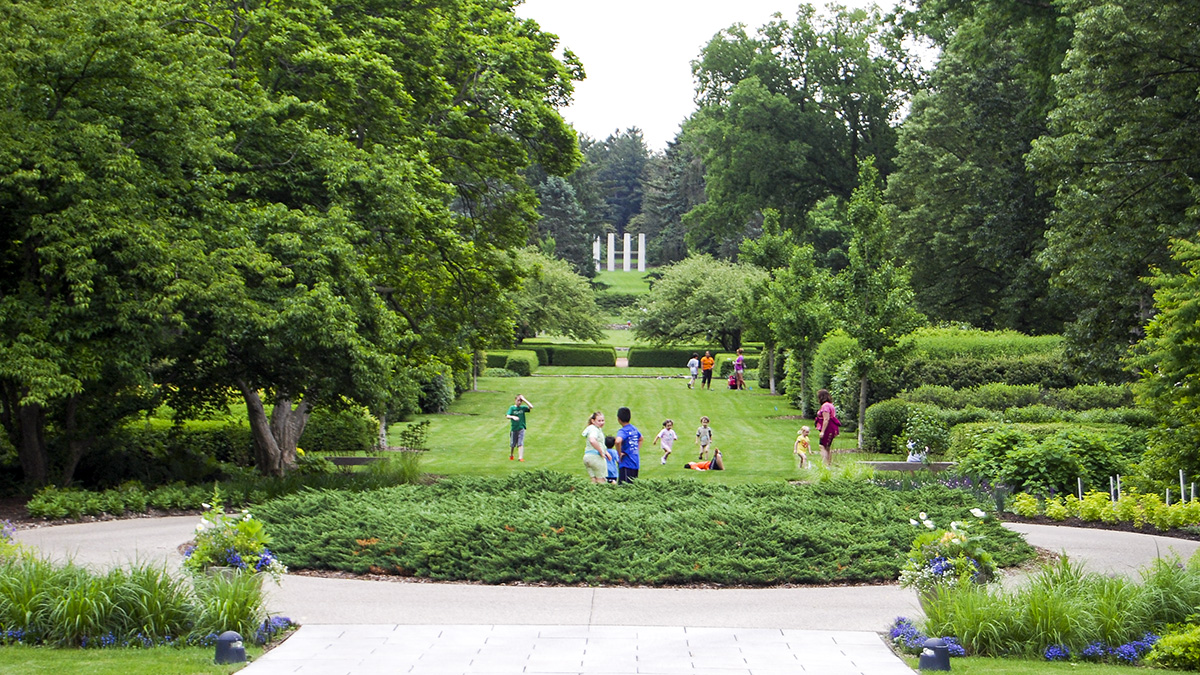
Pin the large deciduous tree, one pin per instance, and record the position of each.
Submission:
(554, 299)
(1122, 160)
(111, 127)
(971, 222)
(786, 115)
(698, 299)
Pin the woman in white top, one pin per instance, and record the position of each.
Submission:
(595, 455)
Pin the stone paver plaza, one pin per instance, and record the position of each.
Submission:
(590, 650)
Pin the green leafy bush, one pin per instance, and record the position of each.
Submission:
(340, 432)
(1033, 414)
(499, 372)
(496, 359)
(613, 302)
(160, 452)
(654, 532)
(437, 391)
(1090, 396)
(543, 353)
(925, 429)
(764, 373)
(1043, 370)
(1043, 458)
(884, 424)
(523, 363)
(1178, 648)
(833, 351)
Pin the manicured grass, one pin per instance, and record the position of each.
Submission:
(624, 282)
(156, 661)
(472, 438)
(975, 665)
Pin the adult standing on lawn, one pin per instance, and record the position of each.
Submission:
(629, 440)
(706, 367)
(827, 425)
(595, 455)
(694, 367)
(516, 415)
(739, 370)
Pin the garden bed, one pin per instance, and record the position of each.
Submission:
(1121, 526)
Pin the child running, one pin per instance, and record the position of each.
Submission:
(801, 448)
(704, 436)
(666, 436)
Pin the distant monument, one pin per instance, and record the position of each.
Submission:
(626, 252)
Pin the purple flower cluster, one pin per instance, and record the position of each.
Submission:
(941, 566)
(234, 559)
(1058, 653)
(906, 635)
(7, 530)
(12, 636)
(264, 560)
(954, 647)
(270, 628)
(106, 640)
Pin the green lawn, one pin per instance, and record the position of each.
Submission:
(156, 661)
(624, 282)
(976, 665)
(472, 438)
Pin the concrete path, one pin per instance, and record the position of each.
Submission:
(365, 627)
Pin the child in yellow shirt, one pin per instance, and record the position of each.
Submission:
(801, 448)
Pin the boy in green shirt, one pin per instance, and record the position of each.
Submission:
(516, 413)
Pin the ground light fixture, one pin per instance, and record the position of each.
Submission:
(935, 655)
(230, 648)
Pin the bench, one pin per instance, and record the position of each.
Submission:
(909, 466)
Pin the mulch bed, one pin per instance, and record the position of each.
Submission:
(1180, 533)
(13, 510)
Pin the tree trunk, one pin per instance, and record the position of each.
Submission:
(287, 425)
(32, 450)
(76, 446)
(803, 388)
(383, 427)
(862, 407)
(771, 366)
(275, 440)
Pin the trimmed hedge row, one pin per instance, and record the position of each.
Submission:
(666, 357)
(998, 396)
(521, 362)
(885, 421)
(598, 355)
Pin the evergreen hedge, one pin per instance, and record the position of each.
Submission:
(584, 355)
(521, 362)
(667, 357)
(652, 532)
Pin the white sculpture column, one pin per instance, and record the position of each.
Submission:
(626, 251)
(642, 252)
(596, 252)
(612, 266)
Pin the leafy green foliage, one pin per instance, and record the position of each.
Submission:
(521, 362)
(666, 357)
(340, 432)
(554, 299)
(653, 532)
(1178, 648)
(1063, 605)
(1044, 457)
(697, 299)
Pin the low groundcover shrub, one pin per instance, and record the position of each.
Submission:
(653, 532)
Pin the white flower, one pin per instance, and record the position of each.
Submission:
(978, 513)
(922, 516)
(928, 524)
(207, 506)
(912, 522)
(954, 525)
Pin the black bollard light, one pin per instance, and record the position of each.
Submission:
(935, 655)
(230, 648)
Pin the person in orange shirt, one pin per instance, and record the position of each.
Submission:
(706, 368)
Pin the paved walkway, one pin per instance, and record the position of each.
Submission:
(366, 627)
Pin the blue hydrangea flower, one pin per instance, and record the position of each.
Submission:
(953, 646)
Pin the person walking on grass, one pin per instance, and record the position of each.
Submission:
(706, 368)
(595, 455)
(801, 448)
(694, 367)
(666, 436)
(704, 436)
(827, 426)
(516, 415)
(629, 440)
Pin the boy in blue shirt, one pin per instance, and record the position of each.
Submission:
(629, 440)
(610, 442)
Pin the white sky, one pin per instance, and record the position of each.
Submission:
(637, 55)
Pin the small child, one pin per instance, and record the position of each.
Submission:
(801, 448)
(667, 437)
(717, 463)
(610, 442)
(704, 436)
